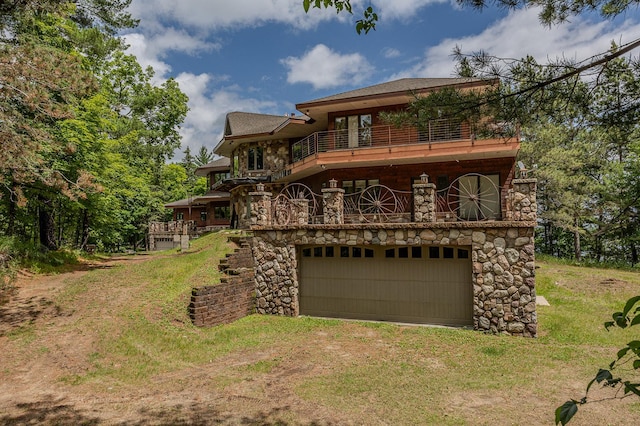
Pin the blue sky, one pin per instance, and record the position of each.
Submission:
(267, 55)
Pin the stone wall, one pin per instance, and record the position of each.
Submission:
(503, 264)
(231, 299)
(275, 157)
(276, 277)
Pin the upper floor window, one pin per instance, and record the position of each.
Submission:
(254, 159)
(236, 165)
(353, 131)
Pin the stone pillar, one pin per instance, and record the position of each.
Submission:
(299, 211)
(424, 200)
(333, 204)
(260, 210)
(524, 205)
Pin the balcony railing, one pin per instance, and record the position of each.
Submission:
(379, 136)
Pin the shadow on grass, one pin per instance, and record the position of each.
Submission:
(51, 411)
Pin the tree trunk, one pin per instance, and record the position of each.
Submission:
(46, 225)
(85, 229)
(634, 253)
(576, 245)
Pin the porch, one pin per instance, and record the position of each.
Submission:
(440, 140)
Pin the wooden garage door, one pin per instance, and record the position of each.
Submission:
(428, 285)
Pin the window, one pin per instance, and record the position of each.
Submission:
(236, 165)
(479, 196)
(222, 212)
(328, 251)
(353, 131)
(353, 186)
(218, 177)
(447, 252)
(317, 252)
(254, 158)
(203, 216)
(179, 216)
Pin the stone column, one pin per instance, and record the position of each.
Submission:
(260, 210)
(424, 200)
(300, 211)
(524, 205)
(333, 204)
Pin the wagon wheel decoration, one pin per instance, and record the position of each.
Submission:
(377, 203)
(474, 197)
(281, 210)
(298, 190)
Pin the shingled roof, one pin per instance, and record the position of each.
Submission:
(397, 86)
(248, 123)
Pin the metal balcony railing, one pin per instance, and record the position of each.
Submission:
(379, 136)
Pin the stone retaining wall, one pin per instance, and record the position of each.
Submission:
(503, 264)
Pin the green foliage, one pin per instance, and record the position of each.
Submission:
(557, 11)
(365, 24)
(629, 355)
(86, 132)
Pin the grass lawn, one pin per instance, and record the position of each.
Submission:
(135, 350)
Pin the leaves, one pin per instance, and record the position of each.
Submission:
(566, 411)
(606, 377)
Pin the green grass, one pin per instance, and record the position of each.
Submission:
(365, 371)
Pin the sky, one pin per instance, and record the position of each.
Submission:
(265, 56)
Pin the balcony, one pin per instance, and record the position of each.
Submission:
(441, 140)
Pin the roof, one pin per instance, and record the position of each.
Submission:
(222, 164)
(403, 85)
(199, 200)
(248, 123)
(246, 127)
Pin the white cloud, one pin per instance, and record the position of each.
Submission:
(208, 108)
(520, 34)
(401, 9)
(323, 68)
(212, 15)
(390, 53)
(151, 49)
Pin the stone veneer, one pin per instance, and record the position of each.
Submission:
(502, 255)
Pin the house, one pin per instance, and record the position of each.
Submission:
(196, 214)
(355, 218)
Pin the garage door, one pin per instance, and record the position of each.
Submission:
(424, 284)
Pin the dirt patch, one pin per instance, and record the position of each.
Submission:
(261, 386)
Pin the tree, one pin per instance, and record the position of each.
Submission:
(203, 157)
(365, 24)
(628, 381)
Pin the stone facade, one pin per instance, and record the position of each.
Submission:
(523, 199)
(502, 254)
(275, 277)
(275, 156)
(503, 277)
(424, 202)
(333, 205)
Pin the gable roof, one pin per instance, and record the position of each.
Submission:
(249, 123)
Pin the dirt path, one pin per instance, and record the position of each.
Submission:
(33, 389)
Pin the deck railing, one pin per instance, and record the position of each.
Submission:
(379, 136)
